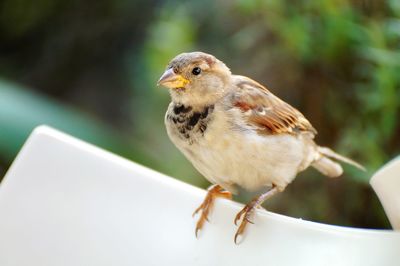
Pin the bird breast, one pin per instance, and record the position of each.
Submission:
(230, 154)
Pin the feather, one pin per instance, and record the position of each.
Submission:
(267, 112)
(331, 154)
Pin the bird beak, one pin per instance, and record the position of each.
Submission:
(171, 80)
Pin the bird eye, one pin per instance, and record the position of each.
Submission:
(196, 71)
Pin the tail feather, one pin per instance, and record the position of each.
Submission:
(328, 167)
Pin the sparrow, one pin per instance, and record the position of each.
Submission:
(238, 134)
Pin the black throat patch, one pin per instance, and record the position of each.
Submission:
(190, 124)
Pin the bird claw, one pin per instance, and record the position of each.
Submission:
(241, 229)
(198, 209)
(205, 208)
(239, 216)
(247, 220)
(246, 213)
(197, 231)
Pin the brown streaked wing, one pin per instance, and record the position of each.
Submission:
(266, 111)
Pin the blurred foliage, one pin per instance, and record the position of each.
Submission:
(90, 68)
(22, 110)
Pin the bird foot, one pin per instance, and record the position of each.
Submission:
(245, 215)
(247, 212)
(214, 192)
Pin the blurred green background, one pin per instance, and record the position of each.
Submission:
(90, 68)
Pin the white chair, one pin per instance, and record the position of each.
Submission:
(66, 202)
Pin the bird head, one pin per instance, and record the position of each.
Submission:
(196, 78)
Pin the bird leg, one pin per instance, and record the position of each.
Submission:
(215, 191)
(247, 212)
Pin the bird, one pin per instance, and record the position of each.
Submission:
(238, 134)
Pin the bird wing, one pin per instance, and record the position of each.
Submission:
(265, 111)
